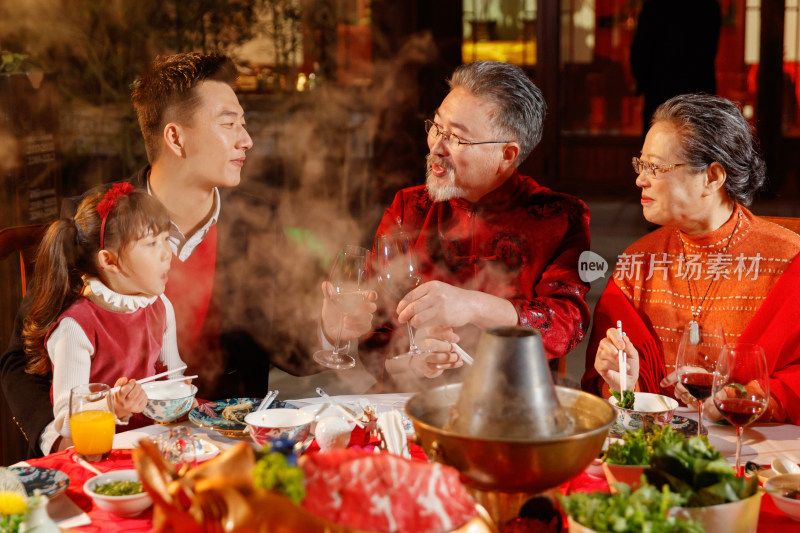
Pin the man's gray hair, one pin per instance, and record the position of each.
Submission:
(713, 129)
(521, 107)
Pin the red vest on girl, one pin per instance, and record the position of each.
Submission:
(125, 344)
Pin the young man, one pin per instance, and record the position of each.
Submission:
(194, 132)
(495, 247)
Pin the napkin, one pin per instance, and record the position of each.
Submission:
(66, 514)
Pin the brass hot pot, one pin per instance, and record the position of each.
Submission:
(494, 463)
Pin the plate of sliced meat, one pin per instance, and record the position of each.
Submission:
(382, 492)
(227, 416)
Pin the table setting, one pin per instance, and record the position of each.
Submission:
(452, 429)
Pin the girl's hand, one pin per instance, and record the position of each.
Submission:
(607, 360)
(129, 399)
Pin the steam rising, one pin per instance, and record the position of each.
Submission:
(323, 168)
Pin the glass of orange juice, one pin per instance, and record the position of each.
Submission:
(91, 420)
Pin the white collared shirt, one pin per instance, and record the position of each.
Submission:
(182, 247)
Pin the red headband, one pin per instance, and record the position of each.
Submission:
(109, 202)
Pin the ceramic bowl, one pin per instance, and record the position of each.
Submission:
(778, 487)
(123, 506)
(734, 517)
(168, 401)
(629, 474)
(648, 410)
(288, 424)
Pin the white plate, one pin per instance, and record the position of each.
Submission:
(209, 451)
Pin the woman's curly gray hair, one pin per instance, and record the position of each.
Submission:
(713, 129)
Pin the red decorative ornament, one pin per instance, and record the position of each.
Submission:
(109, 202)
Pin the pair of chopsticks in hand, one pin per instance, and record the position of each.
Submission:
(161, 375)
(623, 362)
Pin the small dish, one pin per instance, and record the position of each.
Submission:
(208, 451)
(48, 481)
(778, 486)
(209, 415)
(680, 424)
(122, 506)
(628, 474)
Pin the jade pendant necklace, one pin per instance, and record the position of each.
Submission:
(694, 327)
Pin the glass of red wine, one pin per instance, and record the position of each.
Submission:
(741, 388)
(698, 353)
(347, 279)
(397, 268)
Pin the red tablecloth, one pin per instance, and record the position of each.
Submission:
(102, 521)
(770, 520)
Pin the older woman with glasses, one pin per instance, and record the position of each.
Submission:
(712, 262)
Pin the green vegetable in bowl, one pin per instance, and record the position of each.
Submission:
(636, 447)
(633, 450)
(119, 488)
(644, 509)
(698, 472)
(626, 401)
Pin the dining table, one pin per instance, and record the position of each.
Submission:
(74, 510)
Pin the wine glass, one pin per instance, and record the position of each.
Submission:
(91, 420)
(347, 278)
(181, 448)
(397, 267)
(698, 353)
(741, 387)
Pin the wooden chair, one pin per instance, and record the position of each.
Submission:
(25, 241)
(789, 223)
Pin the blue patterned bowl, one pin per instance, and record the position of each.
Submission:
(289, 424)
(168, 401)
(648, 410)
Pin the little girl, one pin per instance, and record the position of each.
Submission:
(98, 313)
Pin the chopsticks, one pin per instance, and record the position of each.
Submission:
(267, 401)
(337, 405)
(467, 358)
(623, 363)
(86, 464)
(153, 378)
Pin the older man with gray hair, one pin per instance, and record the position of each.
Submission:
(495, 247)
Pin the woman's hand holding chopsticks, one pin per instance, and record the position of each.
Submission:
(607, 361)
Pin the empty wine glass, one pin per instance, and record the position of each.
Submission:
(741, 387)
(347, 279)
(397, 267)
(698, 353)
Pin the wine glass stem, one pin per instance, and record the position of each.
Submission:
(739, 431)
(699, 417)
(412, 347)
(338, 337)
